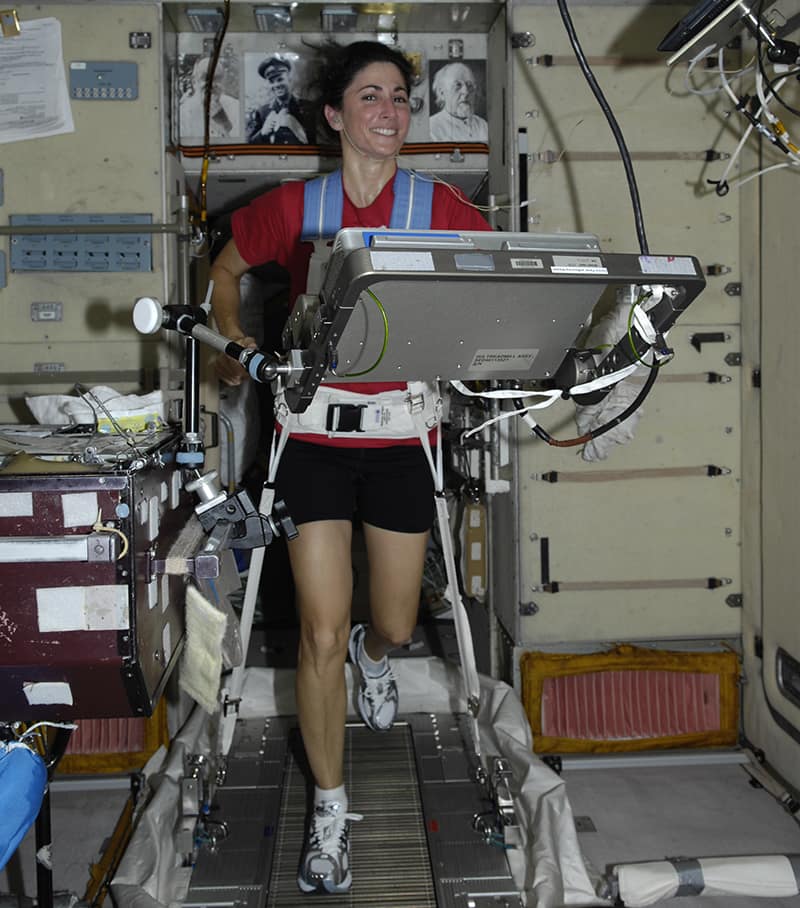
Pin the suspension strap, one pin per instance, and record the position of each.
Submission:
(323, 201)
(466, 648)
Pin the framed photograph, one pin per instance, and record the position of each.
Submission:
(277, 113)
(458, 101)
(225, 111)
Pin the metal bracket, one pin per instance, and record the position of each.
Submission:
(231, 705)
(708, 337)
(733, 359)
(522, 39)
(204, 566)
(140, 40)
(528, 608)
(554, 762)
(734, 600)
(734, 288)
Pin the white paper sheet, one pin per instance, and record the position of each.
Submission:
(34, 100)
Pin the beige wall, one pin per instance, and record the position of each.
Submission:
(112, 163)
(643, 540)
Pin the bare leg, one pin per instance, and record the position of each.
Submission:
(396, 561)
(322, 568)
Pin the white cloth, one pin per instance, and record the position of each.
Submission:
(605, 333)
(444, 127)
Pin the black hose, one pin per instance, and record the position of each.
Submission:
(612, 122)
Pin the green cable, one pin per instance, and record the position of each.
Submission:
(385, 340)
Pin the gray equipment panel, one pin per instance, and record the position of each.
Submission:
(427, 305)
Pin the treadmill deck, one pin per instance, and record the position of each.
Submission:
(415, 847)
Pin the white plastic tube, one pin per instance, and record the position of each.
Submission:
(763, 876)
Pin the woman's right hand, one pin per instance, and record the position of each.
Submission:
(228, 369)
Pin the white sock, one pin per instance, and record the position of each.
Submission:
(325, 795)
(369, 666)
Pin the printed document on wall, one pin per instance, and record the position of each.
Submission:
(34, 101)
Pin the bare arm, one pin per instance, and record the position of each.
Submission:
(226, 272)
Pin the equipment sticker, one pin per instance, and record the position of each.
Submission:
(578, 264)
(500, 360)
(666, 264)
(402, 261)
(527, 263)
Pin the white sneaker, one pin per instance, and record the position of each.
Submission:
(377, 697)
(325, 863)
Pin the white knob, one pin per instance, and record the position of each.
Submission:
(147, 315)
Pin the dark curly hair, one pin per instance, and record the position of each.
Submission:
(338, 65)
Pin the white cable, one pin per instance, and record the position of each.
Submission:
(736, 153)
(598, 384)
(644, 325)
(503, 394)
(507, 415)
(746, 134)
(70, 725)
(726, 85)
(206, 304)
(704, 53)
(760, 173)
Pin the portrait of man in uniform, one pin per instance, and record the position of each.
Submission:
(275, 114)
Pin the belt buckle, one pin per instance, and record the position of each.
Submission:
(416, 403)
(344, 417)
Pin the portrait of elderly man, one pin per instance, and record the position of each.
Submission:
(278, 117)
(454, 92)
(224, 116)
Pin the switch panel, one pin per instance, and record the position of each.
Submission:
(80, 251)
(96, 81)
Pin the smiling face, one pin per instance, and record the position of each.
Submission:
(279, 83)
(375, 116)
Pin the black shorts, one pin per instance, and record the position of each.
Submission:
(390, 488)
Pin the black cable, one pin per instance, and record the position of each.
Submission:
(612, 122)
(606, 427)
(770, 82)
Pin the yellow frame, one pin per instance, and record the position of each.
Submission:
(536, 667)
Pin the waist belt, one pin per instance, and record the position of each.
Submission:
(336, 413)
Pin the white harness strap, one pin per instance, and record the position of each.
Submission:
(466, 648)
(232, 691)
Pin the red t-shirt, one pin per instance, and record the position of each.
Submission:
(269, 228)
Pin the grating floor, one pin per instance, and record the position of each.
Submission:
(415, 848)
(389, 851)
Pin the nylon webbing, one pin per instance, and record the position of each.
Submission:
(323, 202)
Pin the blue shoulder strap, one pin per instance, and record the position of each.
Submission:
(413, 201)
(323, 200)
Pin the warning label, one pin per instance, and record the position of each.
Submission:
(500, 360)
(578, 264)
